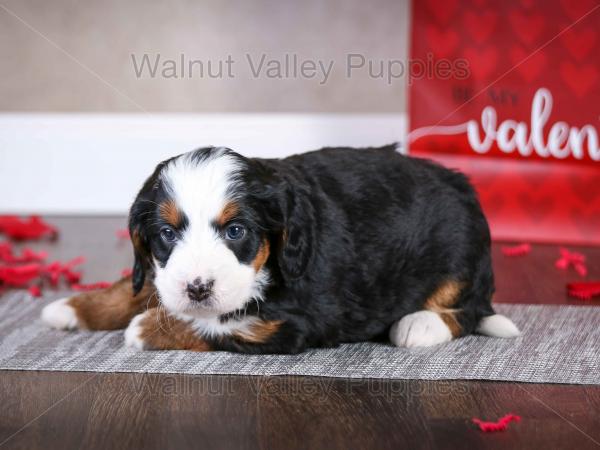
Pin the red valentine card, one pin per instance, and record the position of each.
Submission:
(509, 92)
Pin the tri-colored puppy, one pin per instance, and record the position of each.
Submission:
(277, 256)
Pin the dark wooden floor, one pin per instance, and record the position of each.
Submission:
(90, 410)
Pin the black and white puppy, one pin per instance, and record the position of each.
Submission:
(277, 256)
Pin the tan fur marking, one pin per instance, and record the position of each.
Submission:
(170, 213)
(230, 210)
(160, 331)
(442, 302)
(261, 256)
(259, 332)
(114, 307)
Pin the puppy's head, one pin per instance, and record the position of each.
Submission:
(204, 225)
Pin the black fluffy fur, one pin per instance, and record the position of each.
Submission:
(359, 238)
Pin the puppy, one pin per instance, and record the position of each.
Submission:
(278, 256)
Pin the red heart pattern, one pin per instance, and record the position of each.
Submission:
(580, 78)
(529, 66)
(443, 43)
(527, 27)
(481, 62)
(442, 12)
(576, 9)
(579, 43)
(480, 25)
(514, 49)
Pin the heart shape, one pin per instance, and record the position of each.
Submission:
(481, 62)
(529, 68)
(527, 26)
(537, 206)
(579, 43)
(443, 43)
(480, 26)
(579, 78)
(576, 9)
(587, 221)
(442, 12)
(585, 187)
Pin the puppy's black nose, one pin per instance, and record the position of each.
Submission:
(198, 291)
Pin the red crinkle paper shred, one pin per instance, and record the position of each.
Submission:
(28, 267)
(26, 229)
(19, 276)
(516, 250)
(53, 272)
(574, 259)
(584, 291)
(27, 255)
(35, 291)
(500, 425)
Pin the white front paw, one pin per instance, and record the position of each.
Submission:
(133, 333)
(420, 329)
(60, 315)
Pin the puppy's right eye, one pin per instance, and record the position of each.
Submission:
(168, 235)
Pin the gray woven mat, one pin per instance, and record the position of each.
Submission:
(560, 344)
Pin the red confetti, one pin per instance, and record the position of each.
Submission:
(500, 425)
(35, 291)
(516, 250)
(7, 255)
(57, 269)
(91, 287)
(19, 276)
(575, 259)
(126, 273)
(26, 229)
(584, 291)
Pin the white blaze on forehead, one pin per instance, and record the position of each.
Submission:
(200, 188)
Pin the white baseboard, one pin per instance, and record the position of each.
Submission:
(95, 163)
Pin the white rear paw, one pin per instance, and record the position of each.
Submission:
(133, 333)
(60, 315)
(420, 329)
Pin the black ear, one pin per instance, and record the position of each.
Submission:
(139, 214)
(297, 238)
(289, 214)
(140, 253)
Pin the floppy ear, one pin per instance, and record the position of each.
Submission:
(290, 215)
(139, 216)
(141, 261)
(139, 212)
(297, 240)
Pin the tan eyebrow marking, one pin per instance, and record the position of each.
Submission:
(169, 211)
(230, 210)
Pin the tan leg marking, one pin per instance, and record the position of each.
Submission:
(160, 331)
(114, 307)
(442, 302)
(259, 332)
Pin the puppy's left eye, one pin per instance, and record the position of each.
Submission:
(168, 235)
(235, 232)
